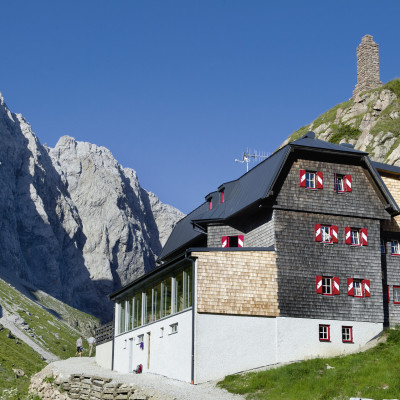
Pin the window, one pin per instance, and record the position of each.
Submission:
(157, 302)
(339, 183)
(140, 339)
(311, 179)
(356, 236)
(396, 294)
(324, 333)
(383, 246)
(173, 328)
(327, 285)
(166, 294)
(148, 316)
(342, 183)
(347, 334)
(209, 204)
(325, 233)
(183, 289)
(232, 241)
(395, 248)
(222, 194)
(137, 314)
(122, 314)
(358, 287)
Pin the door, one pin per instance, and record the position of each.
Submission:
(130, 349)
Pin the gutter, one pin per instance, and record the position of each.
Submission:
(193, 261)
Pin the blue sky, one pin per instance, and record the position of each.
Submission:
(178, 89)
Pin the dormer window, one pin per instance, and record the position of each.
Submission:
(232, 241)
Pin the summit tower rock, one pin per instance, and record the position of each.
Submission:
(367, 65)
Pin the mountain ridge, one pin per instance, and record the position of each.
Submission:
(73, 222)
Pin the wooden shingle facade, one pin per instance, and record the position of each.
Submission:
(300, 255)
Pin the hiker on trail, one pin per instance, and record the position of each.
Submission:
(91, 342)
(79, 347)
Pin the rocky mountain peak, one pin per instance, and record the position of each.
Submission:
(73, 221)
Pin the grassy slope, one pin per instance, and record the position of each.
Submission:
(385, 123)
(374, 374)
(49, 330)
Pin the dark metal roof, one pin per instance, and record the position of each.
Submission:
(183, 233)
(254, 186)
(386, 167)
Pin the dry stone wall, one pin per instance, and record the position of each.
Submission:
(89, 387)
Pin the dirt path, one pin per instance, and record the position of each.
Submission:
(157, 383)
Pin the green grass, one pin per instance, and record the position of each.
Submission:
(16, 354)
(345, 132)
(394, 86)
(47, 319)
(373, 374)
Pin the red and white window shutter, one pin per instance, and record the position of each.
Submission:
(318, 284)
(224, 241)
(364, 237)
(347, 235)
(336, 286)
(303, 178)
(334, 234)
(317, 232)
(240, 240)
(350, 289)
(367, 288)
(347, 183)
(319, 180)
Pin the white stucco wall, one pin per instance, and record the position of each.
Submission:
(104, 354)
(170, 355)
(298, 338)
(227, 344)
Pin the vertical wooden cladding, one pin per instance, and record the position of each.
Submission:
(239, 283)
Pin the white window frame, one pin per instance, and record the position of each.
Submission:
(327, 283)
(326, 236)
(311, 180)
(395, 247)
(347, 334)
(355, 237)
(324, 333)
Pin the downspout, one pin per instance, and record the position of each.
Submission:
(193, 261)
(113, 340)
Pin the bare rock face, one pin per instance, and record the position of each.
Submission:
(74, 223)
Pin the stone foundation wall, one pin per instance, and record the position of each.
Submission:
(88, 387)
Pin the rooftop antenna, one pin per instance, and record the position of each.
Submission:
(247, 157)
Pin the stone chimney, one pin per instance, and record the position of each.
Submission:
(367, 66)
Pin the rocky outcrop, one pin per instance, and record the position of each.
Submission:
(73, 222)
(370, 121)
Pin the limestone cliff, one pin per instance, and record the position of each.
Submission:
(370, 121)
(73, 222)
